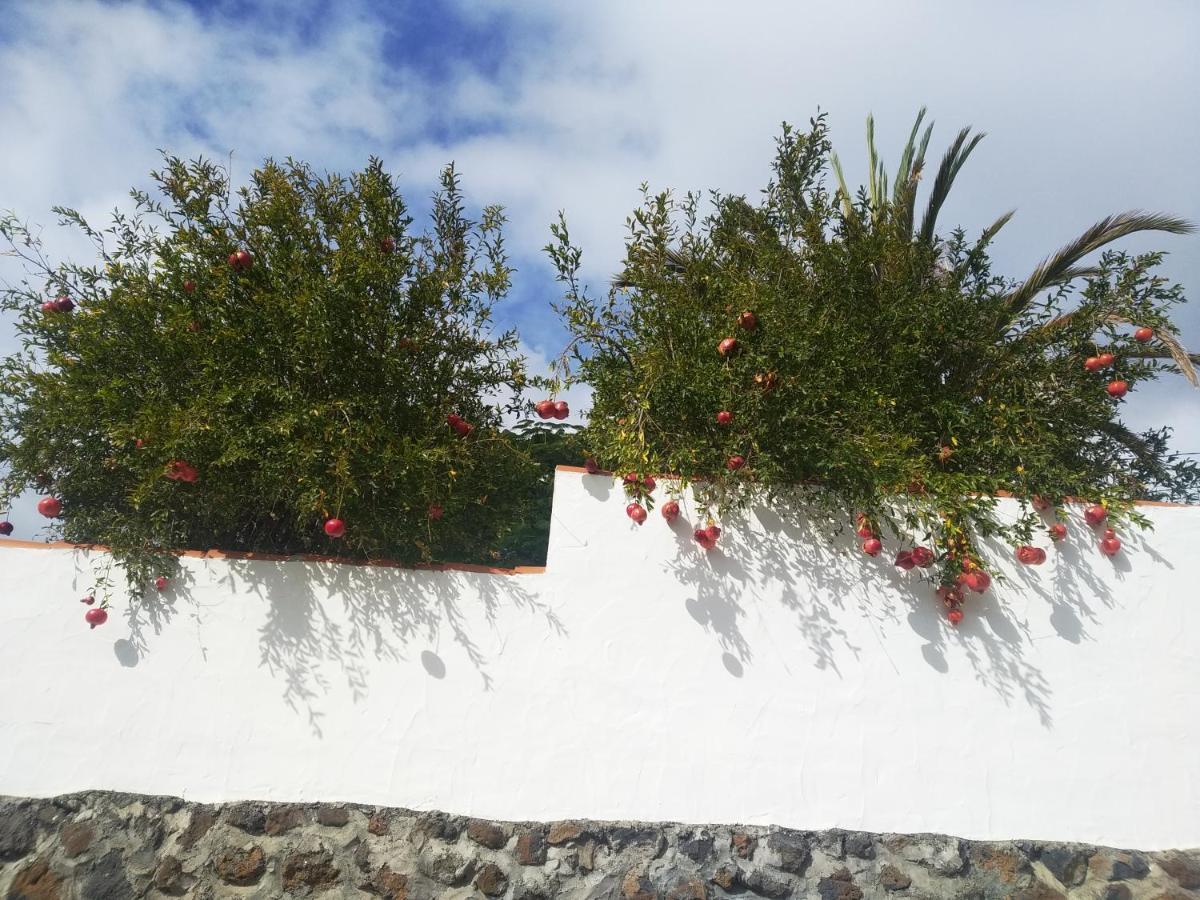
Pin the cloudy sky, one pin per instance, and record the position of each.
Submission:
(1090, 108)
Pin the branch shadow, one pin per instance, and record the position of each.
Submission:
(778, 555)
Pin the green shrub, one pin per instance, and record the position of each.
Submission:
(880, 369)
(313, 382)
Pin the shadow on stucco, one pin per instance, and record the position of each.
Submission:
(389, 613)
(751, 567)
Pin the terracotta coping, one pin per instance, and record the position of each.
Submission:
(295, 557)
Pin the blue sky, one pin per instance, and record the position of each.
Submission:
(547, 105)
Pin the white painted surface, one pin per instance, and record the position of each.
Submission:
(779, 681)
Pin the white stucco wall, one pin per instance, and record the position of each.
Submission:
(777, 681)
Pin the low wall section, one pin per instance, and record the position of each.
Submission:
(780, 680)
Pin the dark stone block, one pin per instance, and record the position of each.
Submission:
(107, 879)
(1067, 864)
(793, 849)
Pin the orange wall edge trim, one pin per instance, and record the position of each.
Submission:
(298, 557)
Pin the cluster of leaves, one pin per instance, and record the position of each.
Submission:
(312, 379)
(885, 370)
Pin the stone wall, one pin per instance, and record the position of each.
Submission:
(99, 845)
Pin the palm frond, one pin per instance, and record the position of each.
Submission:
(992, 230)
(952, 162)
(1136, 445)
(1060, 268)
(907, 157)
(847, 200)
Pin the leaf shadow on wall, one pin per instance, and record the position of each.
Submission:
(763, 557)
(339, 617)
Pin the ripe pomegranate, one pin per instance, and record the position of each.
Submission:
(89, 599)
(1058, 531)
(1117, 388)
(189, 287)
(6, 528)
(181, 470)
(50, 507)
(50, 306)
(97, 615)
(1143, 334)
(670, 510)
(632, 479)
(724, 417)
(161, 582)
(904, 560)
(1041, 504)
(335, 528)
(735, 462)
(872, 546)
(922, 556)
(1106, 360)
(1094, 515)
(387, 245)
(591, 466)
(707, 537)
(728, 346)
(1093, 364)
(545, 409)
(864, 529)
(460, 425)
(954, 616)
(436, 511)
(1028, 555)
(977, 580)
(747, 321)
(1110, 545)
(240, 260)
(637, 512)
(64, 304)
(561, 410)
(950, 594)
(649, 484)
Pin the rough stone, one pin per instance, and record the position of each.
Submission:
(76, 837)
(333, 816)
(688, 889)
(248, 817)
(316, 869)
(1184, 869)
(36, 882)
(839, 886)
(859, 845)
(107, 879)
(487, 834)
(96, 846)
(892, 879)
(282, 819)
(241, 866)
(531, 848)
(793, 849)
(698, 846)
(1068, 864)
(564, 833)
(1128, 866)
(388, 884)
(765, 885)
(491, 880)
(168, 876)
(446, 867)
(17, 832)
(201, 821)
(636, 886)
(743, 845)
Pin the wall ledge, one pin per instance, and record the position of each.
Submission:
(105, 844)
